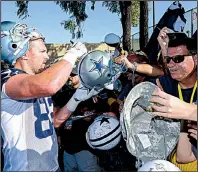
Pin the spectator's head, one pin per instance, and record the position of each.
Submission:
(182, 56)
(89, 105)
(23, 46)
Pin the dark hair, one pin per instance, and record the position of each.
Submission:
(100, 106)
(180, 38)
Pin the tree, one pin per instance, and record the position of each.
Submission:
(129, 16)
(128, 11)
(143, 24)
(75, 8)
(125, 8)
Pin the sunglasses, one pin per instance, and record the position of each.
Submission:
(176, 59)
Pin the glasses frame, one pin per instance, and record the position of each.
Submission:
(175, 59)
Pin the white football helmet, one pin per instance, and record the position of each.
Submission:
(159, 165)
(104, 133)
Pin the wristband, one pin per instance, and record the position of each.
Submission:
(135, 66)
(72, 104)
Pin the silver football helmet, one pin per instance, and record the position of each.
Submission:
(97, 70)
(15, 39)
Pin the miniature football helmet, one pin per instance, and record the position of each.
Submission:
(97, 70)
(15, 40)
(104, 133)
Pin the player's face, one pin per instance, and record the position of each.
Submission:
(37, 56)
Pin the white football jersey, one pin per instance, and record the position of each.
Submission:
(29, 139)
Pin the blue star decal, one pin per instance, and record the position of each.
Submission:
(98, 65)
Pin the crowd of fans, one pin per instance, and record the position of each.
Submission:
(73, 139)
(177, 96)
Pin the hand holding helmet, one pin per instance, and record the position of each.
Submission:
(81, 94)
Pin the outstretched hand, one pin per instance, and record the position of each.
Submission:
(171, 107)
(123, 58)
(83, 93)
(163, 38)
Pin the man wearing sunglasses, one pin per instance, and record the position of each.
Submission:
(27, 115)
(180, 55)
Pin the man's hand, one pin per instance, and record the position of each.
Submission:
(78, 48)
(171, 107)
(83, 93)
(192, 130)
(163, 38)
(159, 84)
(123, 58)
(76, 51)
(74, 81)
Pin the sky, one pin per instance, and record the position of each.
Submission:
(46, 16)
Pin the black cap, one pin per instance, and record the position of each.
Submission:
(180, 38)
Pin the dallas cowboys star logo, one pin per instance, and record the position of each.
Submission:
(104, 119)
(98, 66)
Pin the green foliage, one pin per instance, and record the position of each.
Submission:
(92, 5)
(76, 9)
(69, 25)
(135, 13)
(22, 9)
(77, 12)
(114, 7)
(78, 16)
